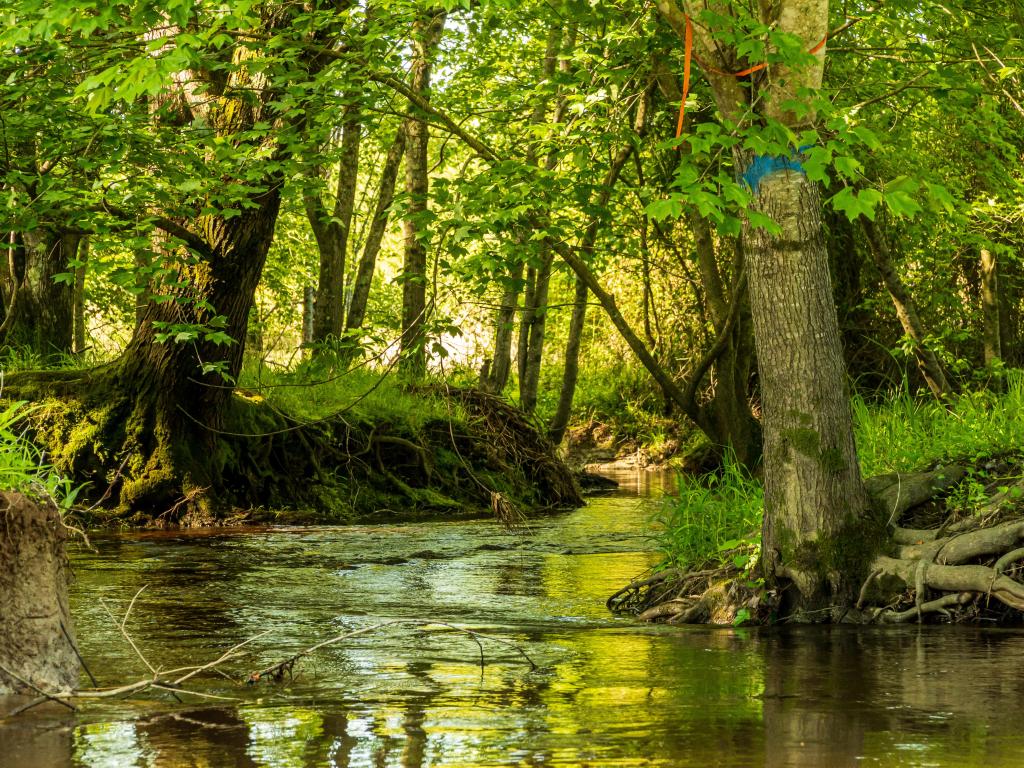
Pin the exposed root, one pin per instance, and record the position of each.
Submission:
(708, 596)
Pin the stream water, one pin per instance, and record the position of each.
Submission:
(606, 691)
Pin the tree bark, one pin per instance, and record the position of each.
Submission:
(36, 634)
(536, 328)
(906, 311)
(813, 490)
(990, 309)
(570, 375)
(504, 327)
(413, 363)
(78, 297)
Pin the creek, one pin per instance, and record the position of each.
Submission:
(607, 691)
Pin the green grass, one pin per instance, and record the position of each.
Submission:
(710, 515)
(713, 513)
(903, 434)
(23, 468)
(318, 390)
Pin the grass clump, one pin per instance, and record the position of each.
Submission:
(903, 434)
(710, 517)
(23, 468)
(319, 389)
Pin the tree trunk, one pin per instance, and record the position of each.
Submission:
(413, 362)
(813, 490)
(525, 322)
(378, 225)
(906, 311)
(504, 326)
(78, 298)
(178, 391)
(990, 310)
(556, 430)
(530, 380)
(331, 230)
(36, 635)
(42, 316)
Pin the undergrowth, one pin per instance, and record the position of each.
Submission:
(23, 467)
(713, 514)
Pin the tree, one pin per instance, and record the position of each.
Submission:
(814, 498)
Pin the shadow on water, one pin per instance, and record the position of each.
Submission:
(607, 691)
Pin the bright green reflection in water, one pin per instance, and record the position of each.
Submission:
(607, 692)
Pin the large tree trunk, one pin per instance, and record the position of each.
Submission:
(813, 490)
(331, 230)
(814, 498)
(41, 316)
(179, 391)
(36, 637)
(413, 363)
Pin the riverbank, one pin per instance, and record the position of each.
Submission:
(294, 449)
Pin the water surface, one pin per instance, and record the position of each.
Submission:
(607, 692)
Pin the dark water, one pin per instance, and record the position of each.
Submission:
(607, 692)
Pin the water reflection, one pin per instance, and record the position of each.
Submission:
(607, 691)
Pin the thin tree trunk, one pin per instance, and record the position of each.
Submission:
(530, 380)
(990, 309)
(331, 230)
(534, 316)
(525, 321)
(378, 226)
(556, 431)
(78, 299)
(501, 364)
(413, 363)
(906, 311)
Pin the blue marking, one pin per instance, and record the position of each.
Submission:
(765, 165)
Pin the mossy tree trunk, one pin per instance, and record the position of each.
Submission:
(167, 398)
(40, 309)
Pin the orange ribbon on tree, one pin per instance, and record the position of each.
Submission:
(690, 55)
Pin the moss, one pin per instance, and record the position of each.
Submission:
(803, 440)
(846, 553)
(832, 460)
